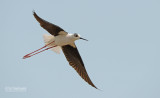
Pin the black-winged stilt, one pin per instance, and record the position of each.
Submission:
(59, 39)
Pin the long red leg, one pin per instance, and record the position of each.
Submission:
(28, 55)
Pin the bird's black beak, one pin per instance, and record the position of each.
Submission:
(83, 39)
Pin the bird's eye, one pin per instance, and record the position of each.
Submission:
(76, 35)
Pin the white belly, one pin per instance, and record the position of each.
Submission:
(63, 40)
(58, 41)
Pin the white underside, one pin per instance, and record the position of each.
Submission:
(61, 40)
(48, 39)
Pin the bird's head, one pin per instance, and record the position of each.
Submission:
(77, 36)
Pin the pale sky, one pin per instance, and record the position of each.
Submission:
(122, 56)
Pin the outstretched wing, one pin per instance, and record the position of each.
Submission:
(51, 28)
(76, 62)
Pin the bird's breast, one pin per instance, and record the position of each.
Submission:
(62, 40)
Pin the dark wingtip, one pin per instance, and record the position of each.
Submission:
(96, 87)
(36, 16)
(33, 12)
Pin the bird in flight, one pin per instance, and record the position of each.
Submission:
(60, 39)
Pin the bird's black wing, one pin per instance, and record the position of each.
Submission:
(76, 62)
(51, 28)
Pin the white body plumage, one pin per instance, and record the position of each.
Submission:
(60, 40)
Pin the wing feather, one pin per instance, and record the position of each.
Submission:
(51, 28)
(76, 62)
